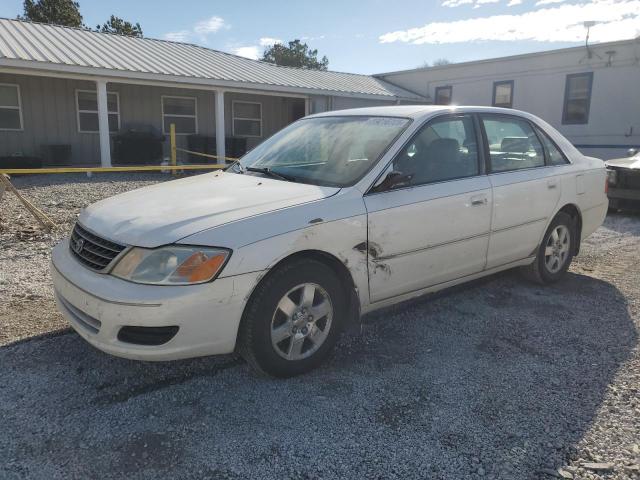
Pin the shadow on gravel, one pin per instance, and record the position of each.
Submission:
(498, 379)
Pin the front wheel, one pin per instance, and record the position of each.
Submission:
(293, 319)
(555, 252)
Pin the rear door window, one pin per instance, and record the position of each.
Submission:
(513, 144)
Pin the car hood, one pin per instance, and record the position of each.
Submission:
(166, 212)
(632, 162)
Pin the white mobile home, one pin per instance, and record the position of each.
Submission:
(591, 95)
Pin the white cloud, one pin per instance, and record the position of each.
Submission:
(210, 25)
(548, 2)
(513, 3)
(252, 51)
(201, 29)
(617, 19)
(268, 41)
(482, 2)
(179, 36)
(455, 3)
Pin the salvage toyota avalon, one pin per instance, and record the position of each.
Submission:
(339, 214)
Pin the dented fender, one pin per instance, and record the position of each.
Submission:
(333, 226)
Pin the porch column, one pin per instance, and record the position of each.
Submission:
(103, 123)
(220, 151)
(307, 106)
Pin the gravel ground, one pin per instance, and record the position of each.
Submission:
(496, 379)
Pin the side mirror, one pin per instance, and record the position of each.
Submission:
(394, 179)
(632, 152)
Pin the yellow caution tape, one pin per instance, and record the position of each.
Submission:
(141, 168)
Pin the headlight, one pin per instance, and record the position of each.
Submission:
(172, 265)
(612, 177)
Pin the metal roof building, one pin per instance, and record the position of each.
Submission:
(78, 88)
(63, 49)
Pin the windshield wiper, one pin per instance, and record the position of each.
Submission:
(270, 173)
(234, 164)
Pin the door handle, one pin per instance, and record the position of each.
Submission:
(479, 200)
(551, 184)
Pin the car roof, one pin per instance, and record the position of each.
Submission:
(416, 111)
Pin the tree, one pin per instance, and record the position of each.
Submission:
(56, 12)
(441, 61)
(436, 63)
(297, 54)
(120, 26)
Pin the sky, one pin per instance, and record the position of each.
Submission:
(374, 36)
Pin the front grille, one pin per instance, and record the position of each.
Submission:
(91, 250)
(628, 179)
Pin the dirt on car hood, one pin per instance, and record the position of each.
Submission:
(166, 212)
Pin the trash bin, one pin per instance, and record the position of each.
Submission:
(202, 144)
(57, 155)
(20, 161)
(138, 147)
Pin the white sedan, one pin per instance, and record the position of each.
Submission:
(337, 215)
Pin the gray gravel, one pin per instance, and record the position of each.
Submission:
(24, 248)
(497, 379)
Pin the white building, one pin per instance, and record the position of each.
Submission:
(591, 95)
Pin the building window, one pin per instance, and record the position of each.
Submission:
(87, 106)
(443, 95)
(577, 98)
(10, 107)
(247, 119)
(503, 94)
(181, 111)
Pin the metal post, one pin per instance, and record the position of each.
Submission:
(103, 123)
(220, 147)
(174, 149)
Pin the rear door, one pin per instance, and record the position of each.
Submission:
(433, 226)
(525, 190)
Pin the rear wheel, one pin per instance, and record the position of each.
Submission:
(555, 252)
(293, 319)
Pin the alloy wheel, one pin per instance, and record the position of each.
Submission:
(301, 321)
(557, 248)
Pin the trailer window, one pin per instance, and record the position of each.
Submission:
(577, 98)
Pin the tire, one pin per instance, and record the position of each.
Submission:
(547, 269)
(284, 338)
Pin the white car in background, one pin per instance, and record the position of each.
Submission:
(337, 215)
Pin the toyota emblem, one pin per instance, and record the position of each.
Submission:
(78, 245)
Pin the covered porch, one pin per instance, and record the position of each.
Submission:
(66, 119)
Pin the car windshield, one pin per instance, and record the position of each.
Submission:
(329, 151)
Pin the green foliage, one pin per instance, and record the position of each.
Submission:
(120, 26)
(57, 12)
(441, 61)
(297, 54)
(436, 63)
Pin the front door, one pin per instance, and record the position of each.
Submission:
(432, 223)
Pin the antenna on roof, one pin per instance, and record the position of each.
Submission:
(588, 24)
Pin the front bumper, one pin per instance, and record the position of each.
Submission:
(632, 194)
(98, 305)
